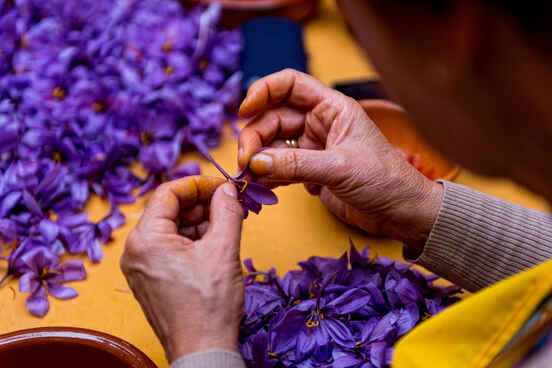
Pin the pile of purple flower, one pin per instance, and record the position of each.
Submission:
(87, 88)
(345, 312)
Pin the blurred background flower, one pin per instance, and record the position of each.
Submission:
(86, 89)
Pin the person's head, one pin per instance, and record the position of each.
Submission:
(473, 74)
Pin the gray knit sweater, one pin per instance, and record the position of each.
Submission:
(476, 241)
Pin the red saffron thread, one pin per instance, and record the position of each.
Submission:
(126, 291)
(13, 291)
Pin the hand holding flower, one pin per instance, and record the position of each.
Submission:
(182, 262)
(342, 156)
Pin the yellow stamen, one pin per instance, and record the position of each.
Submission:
(59, 93)
(56, 157)
(53, 217)
(311, 324)
(357, 343)
(167, 46)
(169, 70)
(321, 315)
(271, 354)
(244, 186)
(297, 302)
(98, 106)
(146, 138)
(24, 41)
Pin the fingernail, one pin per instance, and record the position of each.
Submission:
(261, 164)
(230, 190)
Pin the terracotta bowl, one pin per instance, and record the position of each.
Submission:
(67, 347)
(393, 122)
(235, 12)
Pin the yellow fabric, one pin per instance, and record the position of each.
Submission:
(472, 333)
(281, 236)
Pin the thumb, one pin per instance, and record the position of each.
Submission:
(226, 217)
(299, 165)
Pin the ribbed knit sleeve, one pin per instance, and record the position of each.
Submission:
(210, 359)
(478, 240)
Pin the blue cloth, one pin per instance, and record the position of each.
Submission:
(270, 45)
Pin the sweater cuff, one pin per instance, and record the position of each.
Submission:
(210, 359)
(478, 240)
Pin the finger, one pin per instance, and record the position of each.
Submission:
(278, 122)
(300, 166)
(298, 89)
(194, 215)
(226, 219)
(194, 232)
(168, 199)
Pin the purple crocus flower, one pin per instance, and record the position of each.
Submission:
(91, 236)
(84, 94)
(251, 196)
(335, 312)
(154, 180)
(42, 275)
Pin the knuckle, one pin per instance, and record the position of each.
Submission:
(134, 245)
(291, 164)
(163, 189)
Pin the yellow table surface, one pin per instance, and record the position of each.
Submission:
(298, 227)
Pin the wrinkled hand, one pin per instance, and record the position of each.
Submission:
(182, 262)
(342, 156)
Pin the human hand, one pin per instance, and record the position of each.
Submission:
(182, 262)
(342, 156)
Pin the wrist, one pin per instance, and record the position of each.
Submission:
(414, 217)
(180, 346)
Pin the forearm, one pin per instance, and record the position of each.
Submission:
(210, 359)
(477, 240)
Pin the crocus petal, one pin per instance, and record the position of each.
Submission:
(37, 303)
(338, 331)
(94, 251)
(72, 220)
(384, 327)
(188, 169)
(349, 302)
(61, 292)
(323, 353)
(355, 258)
(115, 218)
(346, 361)
(150, 184)
(8, 202)
(305, 346)
(377, 354)
(9, 229)
(248, 263)
(407, 292)
(32, 204)
(72, 270)
(260, 194)
(249, 204)
(49, 230)
(37, 258)
(28, 282)
(284, 336)
(407, 319)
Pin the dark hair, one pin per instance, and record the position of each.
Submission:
(533, 16)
